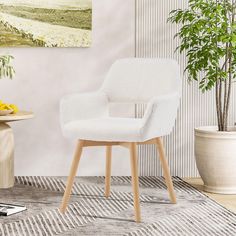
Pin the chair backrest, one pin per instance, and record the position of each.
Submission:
(139, 79)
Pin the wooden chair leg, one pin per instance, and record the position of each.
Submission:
(166, 170)
(135, 181)
(72, 175)
(108, 171)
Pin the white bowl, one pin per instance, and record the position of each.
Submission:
(5, 112)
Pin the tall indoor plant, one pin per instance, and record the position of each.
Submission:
(208, 37)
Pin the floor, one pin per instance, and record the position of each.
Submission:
(228, 201)
(90, 213)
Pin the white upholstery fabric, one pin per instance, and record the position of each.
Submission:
(156, 81)
(105, 129)
(138, 79)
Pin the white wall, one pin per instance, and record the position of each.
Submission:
(44, 75)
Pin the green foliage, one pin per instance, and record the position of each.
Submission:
(6, 69)
(208, 37)
(205, 32)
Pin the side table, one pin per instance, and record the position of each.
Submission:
(7, 147)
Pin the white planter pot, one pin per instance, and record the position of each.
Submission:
(215, 154)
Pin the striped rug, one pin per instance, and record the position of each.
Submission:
(90, 213)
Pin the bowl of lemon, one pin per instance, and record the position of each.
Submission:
(6, 109)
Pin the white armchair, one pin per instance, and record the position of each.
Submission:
(85, 117)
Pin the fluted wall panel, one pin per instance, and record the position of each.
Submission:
(154, 38)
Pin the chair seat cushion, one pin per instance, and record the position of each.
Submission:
(105, 129)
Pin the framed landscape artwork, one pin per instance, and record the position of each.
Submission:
(45, 23)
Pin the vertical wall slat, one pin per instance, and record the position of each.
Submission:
(154, 38)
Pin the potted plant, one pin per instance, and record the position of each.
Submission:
(208, 37)
(6, 69)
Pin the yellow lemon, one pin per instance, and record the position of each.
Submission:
(14, 108)
(6, 106)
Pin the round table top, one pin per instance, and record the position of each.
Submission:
(21, 115)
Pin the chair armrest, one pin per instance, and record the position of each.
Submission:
(83, 106)
(160, 115)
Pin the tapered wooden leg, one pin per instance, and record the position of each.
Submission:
(166, 170)
(135, 181)
(72, 175)
(108, 171)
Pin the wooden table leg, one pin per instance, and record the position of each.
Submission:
(6, 156)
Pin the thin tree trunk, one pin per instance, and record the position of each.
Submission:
(218, 106)
(228, 95)
(226, 111)
(226, 90)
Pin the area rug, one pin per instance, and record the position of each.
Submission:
(90, 213)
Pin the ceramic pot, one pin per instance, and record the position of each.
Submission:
(215, 154)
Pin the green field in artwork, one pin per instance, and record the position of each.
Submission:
(46, 23)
